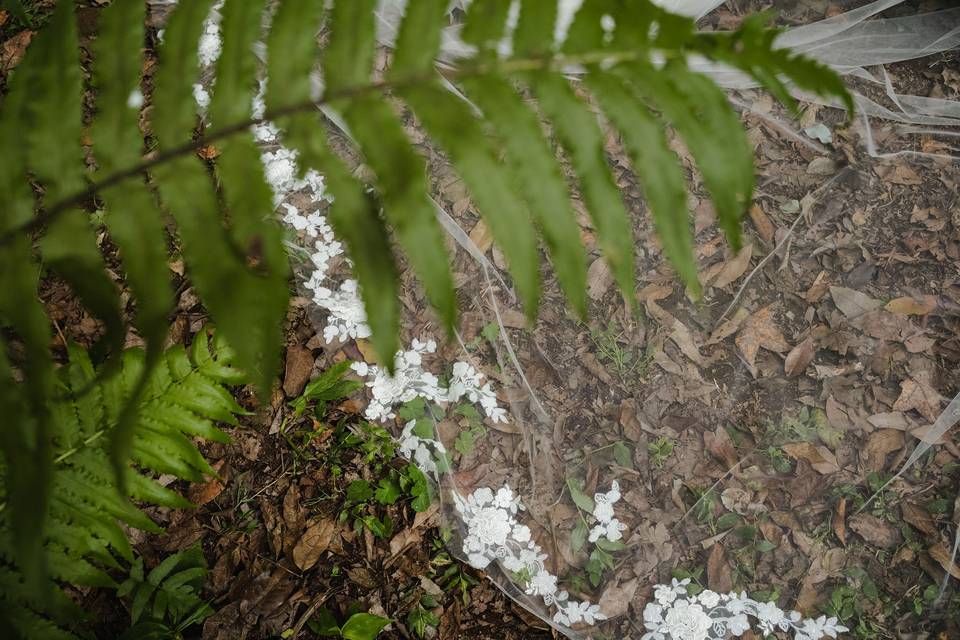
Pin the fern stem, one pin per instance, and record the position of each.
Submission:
(555, 63)
(69, 452)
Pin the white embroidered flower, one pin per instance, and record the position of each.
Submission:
(652, 615)
(542, 584)
(611, 530)
(521, 533)
(603, 503)
(504, 498)
(664, 594)
(583, 612)
(738, 625)
(685, 621)
(478, 560)
(361, 368)
(709, 599)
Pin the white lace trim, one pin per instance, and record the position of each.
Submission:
(713, 616)
(493, 532)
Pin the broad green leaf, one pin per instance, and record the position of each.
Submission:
(535, 24)
(534, 163)
(291, 56)
(400, 174)
(255, 232)
(55, 156)
(233, 290)
(131, 212)
(363, 626)
(450, 122)
(657, 167)
(486, 20)
(711, 130)
(582, 500)
(419, 39)
(578, 537)
(403, 189)
(583, 139)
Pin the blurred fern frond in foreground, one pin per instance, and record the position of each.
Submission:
(83, 540)
(633, 60)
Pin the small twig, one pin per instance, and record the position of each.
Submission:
(312, 609)
(814, 198)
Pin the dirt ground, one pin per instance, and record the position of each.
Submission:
(756, 421)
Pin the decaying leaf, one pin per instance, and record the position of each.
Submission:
(912, 306)
(734, 268)
(942, 555)
(839, 521)
(759, 331)
(880, 443)
(852, 303)
(875, 531)
(820, 458)
(762, 223)
(617, 597)
(599, 279)
(918, 394)
(799, 357)
(313, 543)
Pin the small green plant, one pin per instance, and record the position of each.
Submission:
(659, 450)
(694, 575)
(166, 601)
(614, 350)
(329, 386)
(490, 333)
(421, 617)
(471, 428)
(358, 626)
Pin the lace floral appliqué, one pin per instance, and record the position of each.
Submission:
(713, 616)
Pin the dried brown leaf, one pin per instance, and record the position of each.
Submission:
(942, 555)
(800, 357)
(919, 395)
(759, 331)
(912, 306)
(820, 458)
(734, 268)
(299, 365)
(852, 303)
(313, 543)
(875, 531)
(762, 223)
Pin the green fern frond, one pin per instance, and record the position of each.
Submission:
(632, 56)
(83, 541)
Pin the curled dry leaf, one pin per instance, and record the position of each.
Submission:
(875, 531)
(480, 235)
(299, 364)
(759, 331)
(918, 517)
(912, 306)
(201, 494)
(617, 597)
(880, 443)
(944, 557)
(313, 543)
(719, 576)
(820, 458)
(800, 357)
(762, 223)
(918, 394)
(679, 333)
(728, 327)
(599, 279)
(840, 521)
(734, 268)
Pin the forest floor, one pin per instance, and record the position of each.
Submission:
(756, 421)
